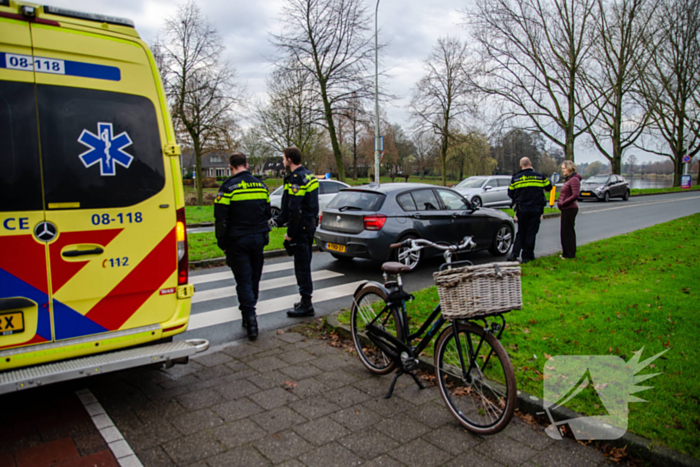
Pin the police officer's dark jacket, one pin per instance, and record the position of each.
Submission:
(242, 207)
(299, 202)
(526, 189)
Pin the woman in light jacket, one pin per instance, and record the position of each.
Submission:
(569, 208)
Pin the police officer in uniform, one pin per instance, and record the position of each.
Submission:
(242, 211)
(300, 212)
(526, 191)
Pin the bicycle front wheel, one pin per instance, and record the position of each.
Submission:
(479, 388)
(369, 306)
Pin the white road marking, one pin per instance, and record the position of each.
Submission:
(225, 315)
(220, 276)
(230, 291)
(594, 211)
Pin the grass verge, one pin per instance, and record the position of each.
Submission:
(638, 290)
(652, 191)
(203, 245)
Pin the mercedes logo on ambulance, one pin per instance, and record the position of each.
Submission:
(45, 231)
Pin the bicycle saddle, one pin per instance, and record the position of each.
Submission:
(394, 267)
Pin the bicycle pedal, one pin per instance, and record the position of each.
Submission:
(408, 363)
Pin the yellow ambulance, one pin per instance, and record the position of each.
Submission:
(93, 250)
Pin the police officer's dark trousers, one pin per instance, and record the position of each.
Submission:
(528, 226)
(302, 264)
(244, 255)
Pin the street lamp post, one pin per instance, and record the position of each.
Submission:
(376, 97)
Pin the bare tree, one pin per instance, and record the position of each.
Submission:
(199, 85)
(288, 119)
(443, 97)
(327, 38)
(426, 150)
(618, 61)
(532, 55)
(471, 155)
(256, 148)
(671, 88)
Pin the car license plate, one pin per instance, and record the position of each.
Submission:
(11, 323)
(585, 194)
(334, 247)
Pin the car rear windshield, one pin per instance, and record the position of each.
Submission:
(471, 183)
(598, 179)
(357, 201)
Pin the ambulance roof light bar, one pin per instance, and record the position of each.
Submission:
(88, 16)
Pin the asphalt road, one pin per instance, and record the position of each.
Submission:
(215, 315)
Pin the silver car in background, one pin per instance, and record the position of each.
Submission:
(485, 190)
(327, 191)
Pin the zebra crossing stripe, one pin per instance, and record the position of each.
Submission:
(230, 291)
(225, 315)
(226, 275)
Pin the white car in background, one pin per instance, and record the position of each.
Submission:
(483, 190)
(327, 191)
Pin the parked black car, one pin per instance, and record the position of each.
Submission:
(363, 221)
(604, 187)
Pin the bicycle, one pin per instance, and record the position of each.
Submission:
(479, 391)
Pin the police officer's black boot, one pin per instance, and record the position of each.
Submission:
(252, 327)
(304, 309)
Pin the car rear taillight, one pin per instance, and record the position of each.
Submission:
(374, 222)
(320, 217)
(182, 257)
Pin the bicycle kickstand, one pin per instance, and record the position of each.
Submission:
(396, 378)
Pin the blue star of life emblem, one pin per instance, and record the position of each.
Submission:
(105, 149)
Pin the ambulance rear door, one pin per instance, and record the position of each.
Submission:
(113, 265)
(24, 301)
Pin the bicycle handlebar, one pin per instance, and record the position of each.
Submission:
(420, 243)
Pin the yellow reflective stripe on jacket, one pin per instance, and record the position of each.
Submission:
(310, 186)
(221, 198)
(245, 194)
(527, 182)
(249, 196)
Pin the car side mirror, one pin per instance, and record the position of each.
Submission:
(487, 187)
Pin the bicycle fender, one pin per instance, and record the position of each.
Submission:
(374, 284)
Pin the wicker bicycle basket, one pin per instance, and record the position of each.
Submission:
(474, 291)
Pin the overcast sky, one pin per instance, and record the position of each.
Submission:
(410, 27)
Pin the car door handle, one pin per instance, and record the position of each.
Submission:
(417, 216)
(74, 253)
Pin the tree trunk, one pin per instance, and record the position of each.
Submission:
(677, 169)
(354, 149)
(443, 157)
(198, 165)
(337, 155)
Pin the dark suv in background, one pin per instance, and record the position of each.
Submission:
(363, 221)
(604, 187)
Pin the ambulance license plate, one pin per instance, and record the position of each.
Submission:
(334, 247)
(11, 323)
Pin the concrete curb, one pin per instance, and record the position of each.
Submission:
(638, 446)
(221, 261)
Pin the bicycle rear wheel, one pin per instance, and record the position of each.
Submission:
(483, 398)
(368, 304)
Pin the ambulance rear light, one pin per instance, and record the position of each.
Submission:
(182, 257)
(88, 16)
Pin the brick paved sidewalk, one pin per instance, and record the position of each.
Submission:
(49, 427)
(293, 401)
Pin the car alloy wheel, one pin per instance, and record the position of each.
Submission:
(275, 212)
(476, 202)
(607, 196)
(404, 256)
(627, 196)
(502, 241)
